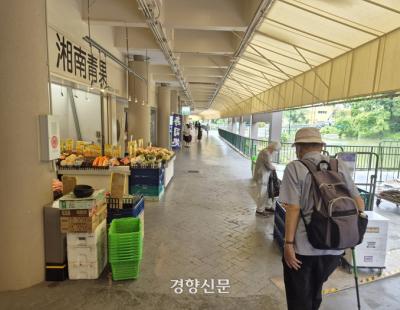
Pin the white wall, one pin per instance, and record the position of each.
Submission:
(88, 110)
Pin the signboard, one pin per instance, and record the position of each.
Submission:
(176, 131)
(185, 110)
(71, 60)
(49, 137)
(350, 160)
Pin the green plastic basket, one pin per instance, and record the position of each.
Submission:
(125, 240)
(125, 226)
(116, 255)
(125, 269)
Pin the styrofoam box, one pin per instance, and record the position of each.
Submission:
(377, 225)
(371, 243)
(87, 253)
(372, 251)
(369, 258)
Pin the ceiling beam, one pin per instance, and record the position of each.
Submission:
(208, 72)
(207, 42)
(114, 13)
(138, 38)
(207, 61)
(161, 70)
(221, 15)
(200, 79)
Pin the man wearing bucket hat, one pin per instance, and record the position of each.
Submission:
(305, 267)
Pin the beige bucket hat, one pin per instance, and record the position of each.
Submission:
(308, 135)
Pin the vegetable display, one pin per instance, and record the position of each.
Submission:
(144, 157)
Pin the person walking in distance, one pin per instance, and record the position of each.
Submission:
(199, 132)
(262, 172)
(207, 127)
(187, 136)
(305, 265)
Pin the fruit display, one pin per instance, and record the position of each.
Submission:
(71, 160)
(151, 156)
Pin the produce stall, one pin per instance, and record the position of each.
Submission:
(97, 178)
(148, 171)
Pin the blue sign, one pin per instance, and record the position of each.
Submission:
(176, 131)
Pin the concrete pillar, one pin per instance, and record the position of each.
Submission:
(242, 126)
(25, 183)
(254, 128)
(229, 124)
(164, 111)
(235, 125)
(138, 110)
(275, 126)
(174, 102)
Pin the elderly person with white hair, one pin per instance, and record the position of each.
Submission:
(261, 176)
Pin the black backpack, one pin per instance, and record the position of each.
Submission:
(336, 223)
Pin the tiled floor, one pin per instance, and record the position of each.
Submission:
(204, 228)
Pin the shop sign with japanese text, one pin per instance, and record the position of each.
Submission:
(75, 62)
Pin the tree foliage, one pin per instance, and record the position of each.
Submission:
(376, 118)
(297, 116)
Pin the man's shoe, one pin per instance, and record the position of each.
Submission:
(270, 210)
(262, 213)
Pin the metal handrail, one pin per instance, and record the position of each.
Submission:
(389, 156)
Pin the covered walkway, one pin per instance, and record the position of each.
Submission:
(204, 229)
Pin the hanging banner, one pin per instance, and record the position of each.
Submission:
(176, 131)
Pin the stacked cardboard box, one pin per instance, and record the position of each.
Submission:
(82, 214)
(84, 222)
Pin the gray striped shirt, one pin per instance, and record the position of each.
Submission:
(295, 190)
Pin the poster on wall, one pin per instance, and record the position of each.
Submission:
(49, 137)
(350, 160)
(176, 131)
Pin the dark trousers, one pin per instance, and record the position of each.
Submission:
(304, 286)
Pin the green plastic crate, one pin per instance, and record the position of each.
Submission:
(133, 252)
(125, 269)
(125, 225)
(125, 240)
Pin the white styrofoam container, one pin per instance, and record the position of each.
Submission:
(377, 225)
(372, 251)
(367, 259)
(87, 253)
(169, 171)
(371, 243)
